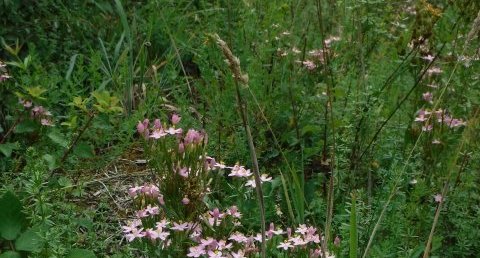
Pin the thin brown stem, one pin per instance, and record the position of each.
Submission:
(74, 142)
(10, 131)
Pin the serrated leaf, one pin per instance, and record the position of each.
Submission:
(51, 162)
(80, 103)
(8, 148)
(58, 138)
(64, 181)
(72, 123)
(81, 253)
(29, 241)
(83, 150)
(11, 216)
(106, 103)
(10, 254)
(26, 126)
(36, 92)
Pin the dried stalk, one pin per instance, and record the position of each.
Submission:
(240, 78)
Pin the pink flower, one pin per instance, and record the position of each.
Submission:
(239, 171)
(251, 183)
(337, 240)
(38, 111)
(214, 221)
(302, 229)
(208, 243)
(216, 214)
(309, 65)
(152, 210)
(330, 40)
(175, 119)
(233, 211)
(438, 198)
(158, 133)
(238, 254)
(238, 237)
(25, 103)
(184, 172)
(422, 116)
(435, 141)
(185, 200)
(456, 123)
(151, 190)
(196, 251)
(162, 224)
(193, 137)
(132, 226)
(298, 241)
(222, 244)
(271, 231)
(428, 96)
(265, 178)
(140, 128)
(157, 124)
(285, 245)
(158, 233)
(312, 238)
(161, 201)
(136, 233)
(315, 253)
(179, 227)
(141, 214)
(46, 122)
(427, 128)
(133, 191)
(4, 77)
(173, 131)
(434, 71)
(181, 148)
(215, 254)
(428, 58)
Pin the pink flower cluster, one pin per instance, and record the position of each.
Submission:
(158, 131)
(237, 171)
(37, 112)
(149, 191)
(441, 116)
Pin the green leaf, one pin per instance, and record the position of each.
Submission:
(83, 150)
(11, 216)
(29, 241)
(80, 103)
(81, 253)
(106, 103)
(10, 254)
(26, 126)
(36, 92)
(58, 138)
(51, 162)
(7, 148)
(64, 182)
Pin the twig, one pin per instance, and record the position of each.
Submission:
(17, 121)
(80, 133)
